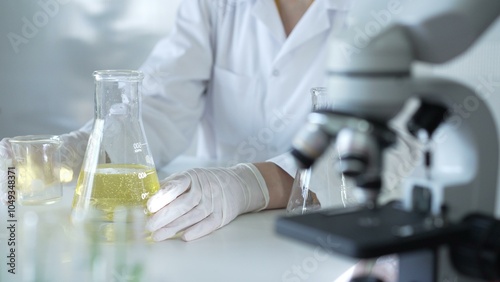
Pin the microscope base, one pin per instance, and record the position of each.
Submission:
(368, 233)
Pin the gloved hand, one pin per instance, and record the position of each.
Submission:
(199, 201)
(72, 151)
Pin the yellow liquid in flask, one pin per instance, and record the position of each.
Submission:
(119, 185)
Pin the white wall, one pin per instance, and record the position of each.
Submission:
(49, 49)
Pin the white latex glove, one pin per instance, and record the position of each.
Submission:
(72, 151)
(199, 201)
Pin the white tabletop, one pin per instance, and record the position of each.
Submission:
(247, 249)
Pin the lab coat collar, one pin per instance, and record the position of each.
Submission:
(312, 23)
(267, 13)
(317, 20)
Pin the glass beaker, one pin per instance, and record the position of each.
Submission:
(320, 186)
(118, 169)
(38, 165)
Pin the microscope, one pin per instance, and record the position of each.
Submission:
(443, 228)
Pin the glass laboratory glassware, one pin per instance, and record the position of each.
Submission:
(320, 186)
(302, 199)
(38, 164)
(118, 169)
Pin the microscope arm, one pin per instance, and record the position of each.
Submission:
(369, 63)
(449, 29)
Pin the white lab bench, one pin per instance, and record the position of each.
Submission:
(247, 249)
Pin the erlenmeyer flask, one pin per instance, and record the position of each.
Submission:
(118, 169)
(318, 187)
(302, 199)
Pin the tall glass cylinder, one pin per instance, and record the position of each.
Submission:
(118, 169)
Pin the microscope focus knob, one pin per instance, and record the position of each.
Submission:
(477, 254)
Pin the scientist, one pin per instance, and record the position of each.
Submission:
(239, 74)
(236, 74)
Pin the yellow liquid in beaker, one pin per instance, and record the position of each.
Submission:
(119, 185)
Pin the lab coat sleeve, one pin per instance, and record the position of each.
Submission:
(286, 162)
(176, 77)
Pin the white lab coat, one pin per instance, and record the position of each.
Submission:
(228, 72)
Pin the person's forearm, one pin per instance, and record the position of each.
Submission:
(279, 184)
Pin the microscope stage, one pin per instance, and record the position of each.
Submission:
(366, 233)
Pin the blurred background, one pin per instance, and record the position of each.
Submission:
(49, 49)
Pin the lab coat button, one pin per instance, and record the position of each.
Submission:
(276, 72)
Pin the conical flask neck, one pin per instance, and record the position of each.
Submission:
(117, 94)
(118, 129)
